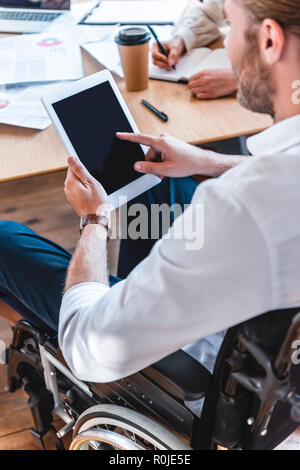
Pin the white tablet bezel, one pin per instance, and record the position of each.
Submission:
(136, 187)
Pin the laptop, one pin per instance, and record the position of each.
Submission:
(30, 16)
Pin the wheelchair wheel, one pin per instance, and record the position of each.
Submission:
(103, 427)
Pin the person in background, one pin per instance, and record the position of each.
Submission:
(197, 29)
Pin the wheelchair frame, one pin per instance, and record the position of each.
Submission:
(250, 384)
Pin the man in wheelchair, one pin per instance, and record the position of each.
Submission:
(172, 296)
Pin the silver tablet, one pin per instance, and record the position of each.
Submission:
(87, 114)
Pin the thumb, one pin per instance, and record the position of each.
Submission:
(155, 168)
(78, 169)
(174, 55)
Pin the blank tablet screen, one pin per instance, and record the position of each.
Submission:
(91, 119)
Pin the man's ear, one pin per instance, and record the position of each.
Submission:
(272, 41)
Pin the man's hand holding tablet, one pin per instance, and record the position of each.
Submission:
(84, 193)
(87, 114)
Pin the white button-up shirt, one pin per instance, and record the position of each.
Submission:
(249, 264)
(201, 25)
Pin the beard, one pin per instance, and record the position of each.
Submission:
(256, 88)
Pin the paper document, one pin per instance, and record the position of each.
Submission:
(106, 52)
(87, 33)
(137, 12)
(77, 13)
(80, 9)
(192, 63)
(42, 57)
(84, 33)
(21, 105)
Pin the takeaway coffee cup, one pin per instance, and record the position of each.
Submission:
(133, 45)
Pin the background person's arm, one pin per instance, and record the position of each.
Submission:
(213, 83)
(201, 25)
(198, 28)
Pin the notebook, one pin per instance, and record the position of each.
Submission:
(137, 12)
(192, 63)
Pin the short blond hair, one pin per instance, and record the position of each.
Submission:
(285, 12)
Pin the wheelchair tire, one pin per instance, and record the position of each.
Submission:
(116, 427)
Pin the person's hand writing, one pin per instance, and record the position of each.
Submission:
(210, 84)
(175, 48)
(84, 193)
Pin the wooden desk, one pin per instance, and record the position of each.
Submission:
(26, 152)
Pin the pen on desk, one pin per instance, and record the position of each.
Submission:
(159, 114)
(162, 49)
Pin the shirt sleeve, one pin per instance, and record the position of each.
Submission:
(194, 283)
(200, 26)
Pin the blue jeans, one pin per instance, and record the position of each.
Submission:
(33, 269)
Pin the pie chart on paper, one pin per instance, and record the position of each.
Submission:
(49, 42)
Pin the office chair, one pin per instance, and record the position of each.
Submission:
(251, 401)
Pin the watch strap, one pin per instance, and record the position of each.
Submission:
(96, 220)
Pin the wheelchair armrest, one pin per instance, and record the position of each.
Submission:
(180, 375)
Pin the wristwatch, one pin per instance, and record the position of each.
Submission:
(95, 219)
